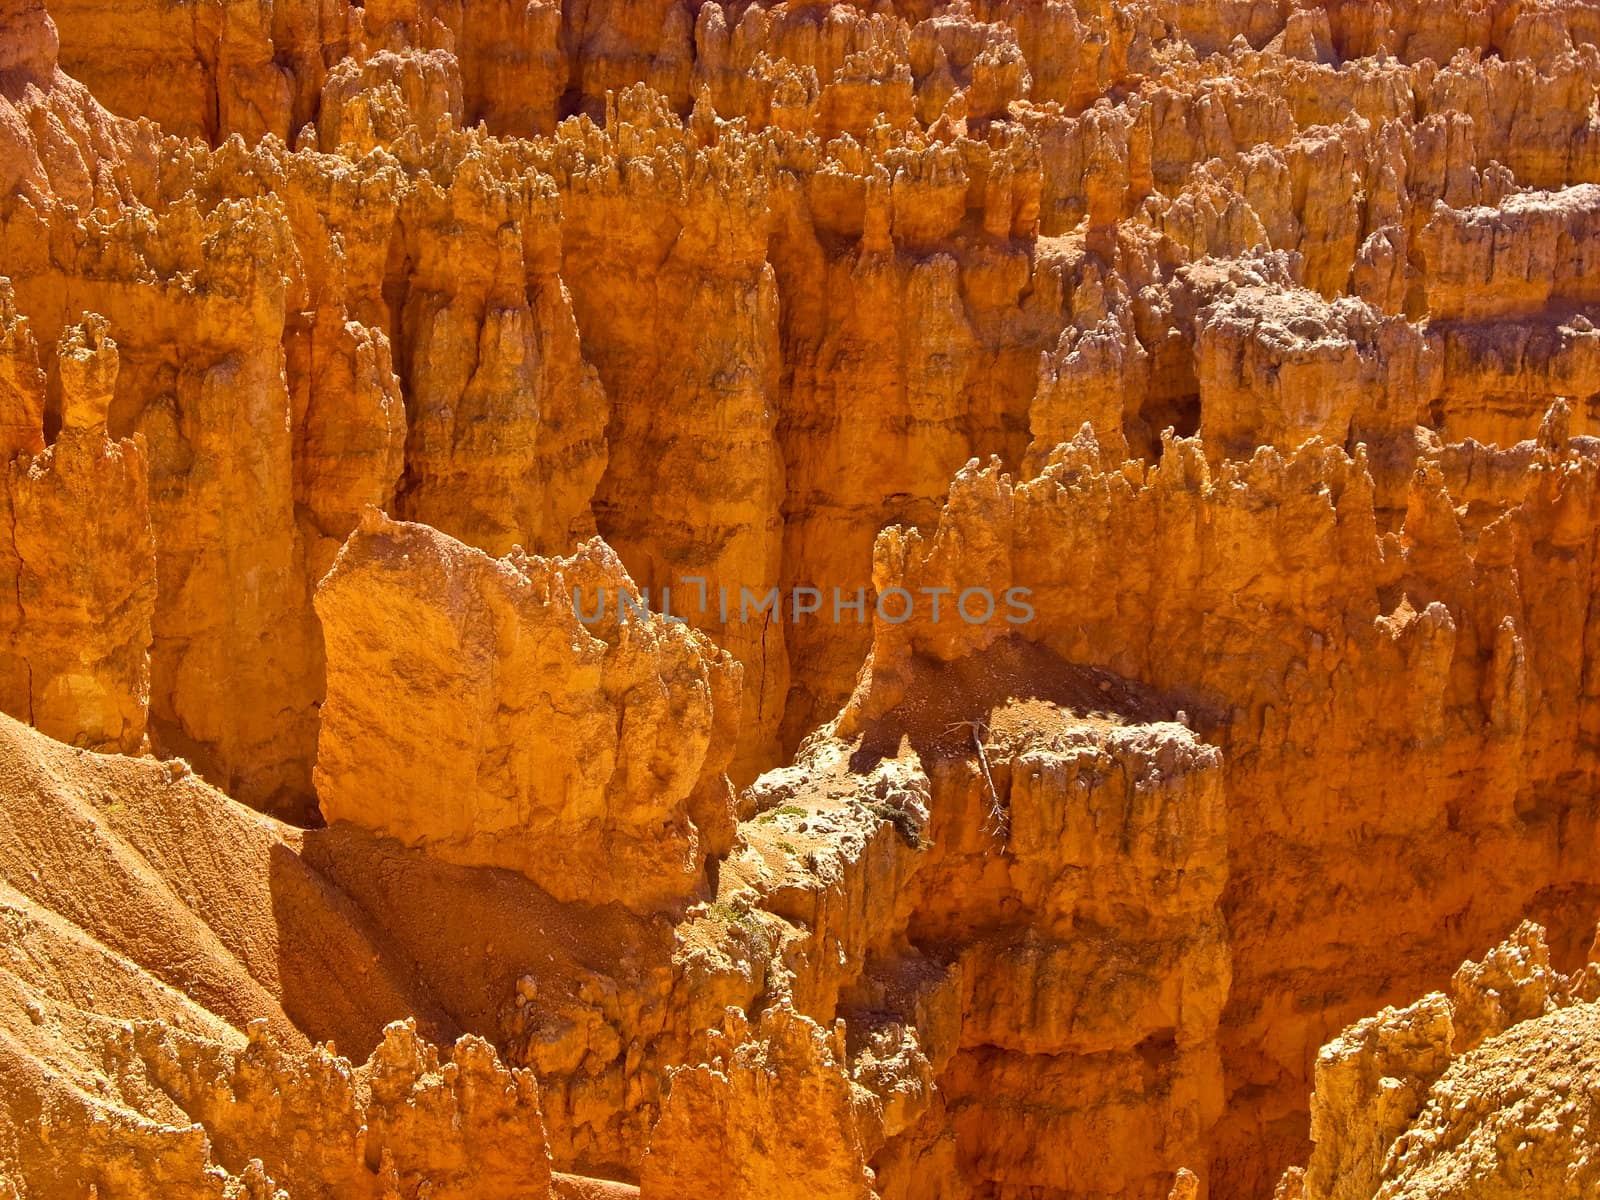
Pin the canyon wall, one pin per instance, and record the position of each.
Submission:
(1481, 1091)
(1240, 358)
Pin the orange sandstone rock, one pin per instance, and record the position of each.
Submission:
(1405, 1107)
(1276, 319)
(79, 557)
(725, 1131)
(470, 711)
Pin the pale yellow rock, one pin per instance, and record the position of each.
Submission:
(1369, 1083)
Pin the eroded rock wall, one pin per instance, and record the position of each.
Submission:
(735, 287)
(486, 710)
(1476, 1093)
(1481, 672)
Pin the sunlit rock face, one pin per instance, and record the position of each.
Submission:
(1441, 1097)
(921, 600)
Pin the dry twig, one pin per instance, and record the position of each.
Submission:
(998, 822)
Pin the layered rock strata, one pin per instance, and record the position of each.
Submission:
(1258, 341)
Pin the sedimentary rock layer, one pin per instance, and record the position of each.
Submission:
(1240, 357)
(1484, 1091)
(522, 712)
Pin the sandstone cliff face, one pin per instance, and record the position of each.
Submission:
(1484, 1092)
(1386, 614)
(1257, 340)
(167, 957)
(590, 759)
(927, 905)
(755, 1147)
(220, 1120)
(77, 662)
